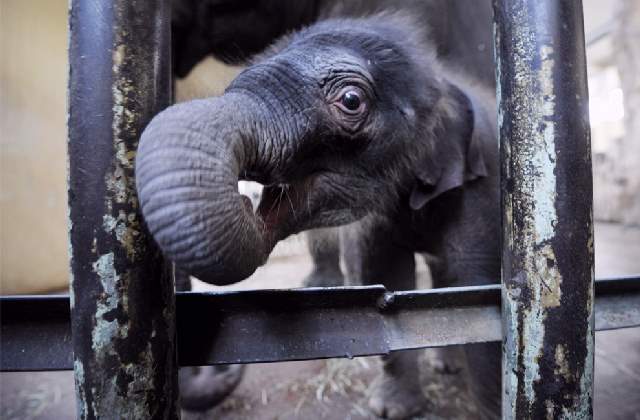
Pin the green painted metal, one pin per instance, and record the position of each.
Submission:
(547, 261)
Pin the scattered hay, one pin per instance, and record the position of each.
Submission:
(338, 377)
(446, 389)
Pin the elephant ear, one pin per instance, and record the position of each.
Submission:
(457, 155)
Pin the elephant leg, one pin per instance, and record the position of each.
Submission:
(448, 360)
(372, 258)
(483, 360)
(206, 386)
(396, 393)
(324, 248)
(484, 367)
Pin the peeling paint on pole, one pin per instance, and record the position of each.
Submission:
(547, 210)
(123, 311)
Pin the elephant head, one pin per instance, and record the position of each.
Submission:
(343, 119)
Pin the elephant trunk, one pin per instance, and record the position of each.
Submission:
(190, 159)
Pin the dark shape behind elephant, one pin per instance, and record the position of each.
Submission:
(236, 30)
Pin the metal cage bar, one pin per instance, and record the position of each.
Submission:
(277, 325)
(547, 259)
(122, 298)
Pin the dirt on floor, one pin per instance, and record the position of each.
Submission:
(334, 390)
(338, 389)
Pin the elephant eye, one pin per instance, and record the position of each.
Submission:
(351, 101)
(349, 107)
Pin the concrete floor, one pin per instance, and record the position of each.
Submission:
(338, 389)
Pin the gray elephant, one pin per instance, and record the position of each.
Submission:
(234, 31)
(347, 121)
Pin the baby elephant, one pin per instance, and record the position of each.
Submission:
(349, 121)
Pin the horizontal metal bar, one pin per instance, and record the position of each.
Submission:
(35, 333)
(279, 325)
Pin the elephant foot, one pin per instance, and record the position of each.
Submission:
(204, 387)
(324, 278)
(447, 361)
(442, 367)
(395, 398)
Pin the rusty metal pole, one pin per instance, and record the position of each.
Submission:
(547, 260)
(122, 298)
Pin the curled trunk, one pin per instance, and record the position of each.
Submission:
(189, 161)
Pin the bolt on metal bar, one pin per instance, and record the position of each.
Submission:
(547, 260)
(121, 296)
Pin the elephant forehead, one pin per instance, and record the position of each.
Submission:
(322, 62)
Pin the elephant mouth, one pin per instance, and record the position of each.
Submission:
(277, 207)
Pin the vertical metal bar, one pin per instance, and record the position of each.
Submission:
(547, 261)
(122, 298)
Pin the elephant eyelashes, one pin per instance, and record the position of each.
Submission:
(350, 107)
